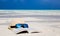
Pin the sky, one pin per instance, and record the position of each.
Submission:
(30, 4)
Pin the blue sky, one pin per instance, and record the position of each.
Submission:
(30, 4)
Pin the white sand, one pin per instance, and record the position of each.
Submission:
(47, 26)
(45, 29)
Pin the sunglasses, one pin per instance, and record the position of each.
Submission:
(20, 26)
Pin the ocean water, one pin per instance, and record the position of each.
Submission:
(30, 4)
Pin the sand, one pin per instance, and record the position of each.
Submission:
(44, 28)
(46, 22)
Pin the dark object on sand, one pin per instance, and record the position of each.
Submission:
(35, 32)
(20, 25)
(13, 26)
(23, 32)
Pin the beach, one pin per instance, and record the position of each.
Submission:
(47, 24)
